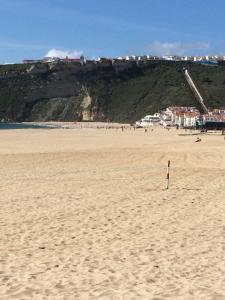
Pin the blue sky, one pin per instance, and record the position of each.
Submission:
(35, 28)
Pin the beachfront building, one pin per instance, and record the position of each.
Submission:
(218, 112)
(190, 119)
(182, 116)
(173, 111)
(186, 120)
(179, 119)
(213, 118)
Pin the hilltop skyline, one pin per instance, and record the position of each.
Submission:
(33, 29)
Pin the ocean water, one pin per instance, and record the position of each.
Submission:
(8, 126)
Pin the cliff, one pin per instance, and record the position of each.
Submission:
(122, 91)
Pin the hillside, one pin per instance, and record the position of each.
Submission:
(121, 92)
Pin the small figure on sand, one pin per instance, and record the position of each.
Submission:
(198, 140)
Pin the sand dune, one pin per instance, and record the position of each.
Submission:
(84, 214)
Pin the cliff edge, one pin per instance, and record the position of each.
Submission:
(121, 92)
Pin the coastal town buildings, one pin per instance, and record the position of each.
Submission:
(213, 59)
(190, 117)
(183, 116)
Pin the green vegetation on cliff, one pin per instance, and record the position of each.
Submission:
(122, 93)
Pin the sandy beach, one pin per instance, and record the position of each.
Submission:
(84, 214)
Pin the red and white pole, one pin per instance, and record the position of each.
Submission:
(168, 175)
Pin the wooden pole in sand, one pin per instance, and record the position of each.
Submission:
(168, 175)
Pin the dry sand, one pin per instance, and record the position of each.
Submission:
(84, 215)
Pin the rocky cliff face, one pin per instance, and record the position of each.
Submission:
(121, 92)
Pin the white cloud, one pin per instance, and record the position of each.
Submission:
(62, 54)
(177, 48)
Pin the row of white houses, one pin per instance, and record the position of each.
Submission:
(173, 58)
(189, 117)
(137, 58)
(183, 116)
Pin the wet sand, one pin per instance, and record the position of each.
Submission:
(84, 214)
